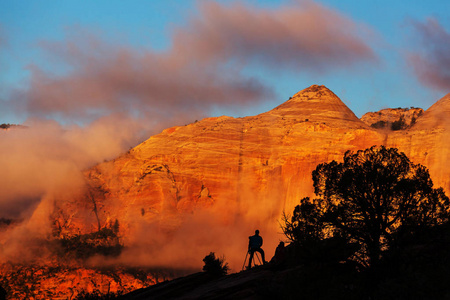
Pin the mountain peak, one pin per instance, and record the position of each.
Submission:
(318, 104)
(315, 91)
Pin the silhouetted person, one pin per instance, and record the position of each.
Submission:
(254, 244)
(280, 254)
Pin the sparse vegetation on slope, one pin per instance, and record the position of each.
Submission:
(103, 242)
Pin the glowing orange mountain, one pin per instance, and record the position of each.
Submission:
(207, 186)
(241, 173)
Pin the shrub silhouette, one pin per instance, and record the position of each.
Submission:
(215, 267)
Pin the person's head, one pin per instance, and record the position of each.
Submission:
(256, 232)
(281, 244)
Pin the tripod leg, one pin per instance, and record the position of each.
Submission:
(259, 259)
(243, 266)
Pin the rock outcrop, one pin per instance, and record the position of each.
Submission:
(392, 118)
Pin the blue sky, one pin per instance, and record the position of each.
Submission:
(380, 54)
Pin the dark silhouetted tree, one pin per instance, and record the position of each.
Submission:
(215, 266)
(372, 198)
(305, 225)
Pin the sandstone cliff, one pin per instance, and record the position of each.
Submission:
(206, 186)
(259, 161)
(262, 161)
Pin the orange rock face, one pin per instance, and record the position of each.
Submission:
(241, 173)
(260, 161)
(264, 160)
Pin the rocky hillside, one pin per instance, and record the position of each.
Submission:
(392, 118)
(251, 284)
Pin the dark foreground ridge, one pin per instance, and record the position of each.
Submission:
(250, 284)
(418, 271)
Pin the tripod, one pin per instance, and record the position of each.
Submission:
(254, 263)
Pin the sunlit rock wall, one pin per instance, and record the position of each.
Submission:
(253, 167)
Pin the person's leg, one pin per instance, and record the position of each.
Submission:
(261, 251)
(250, 258)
